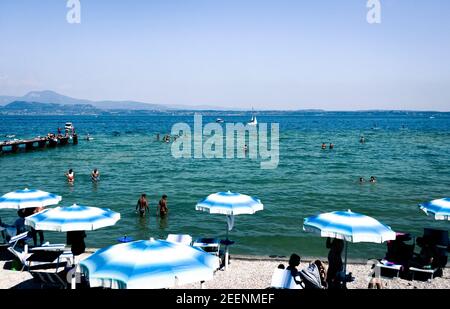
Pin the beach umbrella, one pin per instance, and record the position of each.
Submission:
(350, 227)
(148, 264)
(73, 218)
(229, 204)
(439, 208)
(28, 198)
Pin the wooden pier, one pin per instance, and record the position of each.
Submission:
(36, 143)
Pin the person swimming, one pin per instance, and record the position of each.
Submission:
(331, 145)
(361, 180)
(324, 146)
(373, 179)
(70, 176)
(95, 175)
(362, 140)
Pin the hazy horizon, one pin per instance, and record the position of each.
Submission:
(269, 55)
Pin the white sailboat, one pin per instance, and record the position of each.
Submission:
(253, 121)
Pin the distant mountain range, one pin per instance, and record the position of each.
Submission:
(48, 96)
(37, 108)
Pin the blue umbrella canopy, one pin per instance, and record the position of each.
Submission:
(148, 264)
(229, 204)
(350, 226)
(73, 218)
(28, 198)
(439, 208)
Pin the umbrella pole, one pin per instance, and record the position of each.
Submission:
(73, 282)
(345, 264)
(226, 251)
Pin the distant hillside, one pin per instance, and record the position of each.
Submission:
(48, 96)
(37, 108)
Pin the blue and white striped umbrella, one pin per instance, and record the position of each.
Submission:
(229, 203)
(148, 264)
(439, 208)
(350, 226)
(28, 198)
(72, 218)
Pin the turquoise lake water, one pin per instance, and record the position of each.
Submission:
(409, 153)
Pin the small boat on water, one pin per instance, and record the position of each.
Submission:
(253, 121)
(220, 120)
(68, 127)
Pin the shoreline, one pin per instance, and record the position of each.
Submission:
(245, 272)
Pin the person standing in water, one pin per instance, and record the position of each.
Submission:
(331, 145)
(95, 175)
(324, 146)
(362, 140)
(142, 205)
(162, 206)
(70, 176)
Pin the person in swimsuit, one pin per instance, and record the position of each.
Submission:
(324, 146)
(162, 206)
(70, 176)
(142, 205)
(95, 175)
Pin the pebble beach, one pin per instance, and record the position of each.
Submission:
(245, 272)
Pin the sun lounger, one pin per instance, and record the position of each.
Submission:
(65, 252)
(50, 279)
(21, 254)
(388, 270)
(210, 245)
(180, 238)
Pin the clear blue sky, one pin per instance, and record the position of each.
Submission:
(262, 54)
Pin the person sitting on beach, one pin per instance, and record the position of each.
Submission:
(70, 176)
(95, 175)
(373, 179)
(142, 205)
(324, 146)
(162, 206)
(294, 262)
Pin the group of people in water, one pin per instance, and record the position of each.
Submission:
(70, 175)
(142, 206)
(166, 138)
(372, 179)
(324, 146)
(315, 275)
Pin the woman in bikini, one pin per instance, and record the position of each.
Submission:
(70, 176)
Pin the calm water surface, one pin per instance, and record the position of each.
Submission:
(409, 153)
